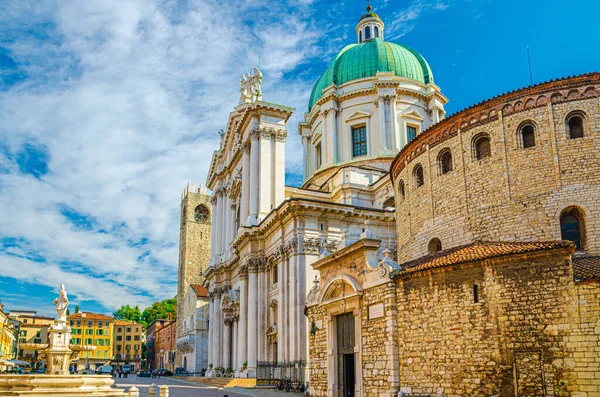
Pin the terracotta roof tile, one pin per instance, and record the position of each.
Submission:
(123, 322)
(586, 267)
(200, 290)
(478, 251)
(90, 316)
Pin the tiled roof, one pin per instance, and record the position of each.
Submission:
(122, 322)
(478, 251)
(90, 316)
(200, 290)
(586, 267)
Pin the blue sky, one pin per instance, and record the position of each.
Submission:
(108, 108)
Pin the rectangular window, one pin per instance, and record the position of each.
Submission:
(107, 342)
(78, 323)
(88, 341)
(99, 323)
(359, 141)
(318, 154)
(119, 338)
(119, 329)
(99, 332)
(136, 347)
(89, 323)
(72, 323)
(128, 337)
(137, 337)
(23, 333)
(89, 331)
(22, 340)
(37, 340)
(128, 329)
(411, 133)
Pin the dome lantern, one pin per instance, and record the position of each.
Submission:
(370, 26)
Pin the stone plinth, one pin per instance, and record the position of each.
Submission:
(58, 385)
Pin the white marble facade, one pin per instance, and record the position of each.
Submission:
(265, 236)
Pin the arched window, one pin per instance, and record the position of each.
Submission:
(389, 203)
(401, 190)
(360, 36)
(418, 175)
(475, 293)
(572, 226)
(376, 30)
(527, 135)
(482, 147)
(575, 126)
(201, 213)
(445, 161)
(434, 245)
(367, 33)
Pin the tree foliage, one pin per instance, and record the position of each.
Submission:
(166, 309)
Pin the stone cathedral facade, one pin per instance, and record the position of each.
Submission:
(423, 254)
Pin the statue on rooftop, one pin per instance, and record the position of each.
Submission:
(62, 302)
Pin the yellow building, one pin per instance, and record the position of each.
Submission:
(127, 344)
(7, 338)
(96, 330)
(33, 329)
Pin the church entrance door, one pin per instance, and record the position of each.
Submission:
(345, 355)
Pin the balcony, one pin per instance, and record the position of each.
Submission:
(186, 343)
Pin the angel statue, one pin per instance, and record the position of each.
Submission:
(257, 79)
(249, 86)
(62, 302)
(244, 94)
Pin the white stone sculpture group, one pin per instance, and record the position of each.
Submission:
(251, 87)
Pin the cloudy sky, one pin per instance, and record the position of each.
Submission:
(108, 108)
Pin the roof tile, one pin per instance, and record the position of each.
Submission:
(200, 290)
(477, 251)
(586, 267)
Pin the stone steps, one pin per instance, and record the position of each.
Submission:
(222, 383)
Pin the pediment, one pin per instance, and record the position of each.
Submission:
(414, 115)
(359, 115)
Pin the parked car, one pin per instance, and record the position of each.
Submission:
(144, 374)
(164, 372)
(180, 371)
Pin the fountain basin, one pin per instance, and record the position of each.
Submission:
(58, 385)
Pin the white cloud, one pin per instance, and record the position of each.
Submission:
(128, 97)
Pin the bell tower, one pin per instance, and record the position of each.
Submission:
(194, 242)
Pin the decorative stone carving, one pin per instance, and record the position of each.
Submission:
(251, 87)
(387, 265)
(312, 294)
(319, 245)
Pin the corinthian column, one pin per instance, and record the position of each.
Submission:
(218, 321)
(254, 180)
(211, 323)
(382, 126)
(252, 318)
(245, 200)
(394, 124)
(242, 323)
(227, 343)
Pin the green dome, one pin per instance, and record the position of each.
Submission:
(357, 61)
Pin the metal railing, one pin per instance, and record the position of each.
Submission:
(267, 372)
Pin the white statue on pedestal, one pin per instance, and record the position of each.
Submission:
(251, 87)
(62, 302)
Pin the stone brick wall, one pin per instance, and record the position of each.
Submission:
(586, 341)
(521, 325)
(317, 351)
(516, 194)
(379, 366)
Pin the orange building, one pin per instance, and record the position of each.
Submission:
(127, 344)
(96, 330)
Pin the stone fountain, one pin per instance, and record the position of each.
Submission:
(59, 353)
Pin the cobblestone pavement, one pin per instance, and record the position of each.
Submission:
(181, 388)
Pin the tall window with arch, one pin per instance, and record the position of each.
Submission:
(482, 147)
(275, 274)
(572, 226)
(527, 135)
(318, 154)
(418, 175)
(445, 161)
(201, 213)
(575, 125)
(376, 30)
(367, 33)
